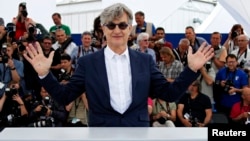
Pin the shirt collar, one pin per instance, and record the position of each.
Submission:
(110, 53)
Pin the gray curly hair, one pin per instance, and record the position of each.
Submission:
(115, 11)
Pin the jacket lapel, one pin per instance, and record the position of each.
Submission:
(100, 67)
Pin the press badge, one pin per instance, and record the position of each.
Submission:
(1, 85)
(75, 120)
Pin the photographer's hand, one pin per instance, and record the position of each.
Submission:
(222, 83)
(11, 63)
(37, 59)
(187, 123)
(38, 108)
(49, 112)
(18, 99)
(232, 90)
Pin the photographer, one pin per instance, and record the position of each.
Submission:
(13, 112)
(3, 35)
(194, 108)
(11, 69)
(240, 112)
(77, 109)
(46, 112)
(231, 43)
(22, 21)
(210, 69)
(231, 80)
(243, 53)
(63, 44)
(164, 113)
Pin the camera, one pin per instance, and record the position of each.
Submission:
(49, 122)
(208, 65)
(234, 34)
(242, 63)
(20, 45)
(46, 102)
(11, 30)
(193, 120)
(3, 56)
(24, 13)
(228, 84)
(31, 33)
(161, 120)
(64, 76)
(9, 92)
(7, 120)
(143, 29)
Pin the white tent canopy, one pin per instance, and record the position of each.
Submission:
(240, 11)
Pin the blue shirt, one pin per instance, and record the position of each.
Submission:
(239, 79)
(5, 73)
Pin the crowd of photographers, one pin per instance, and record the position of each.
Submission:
(223, 86)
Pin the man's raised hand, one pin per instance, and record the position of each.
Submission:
(34, 55)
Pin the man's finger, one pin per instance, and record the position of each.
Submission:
(27, 57)
(39, 48)
(51, 55)
(202, 47)
(190, 50)
(33, 49)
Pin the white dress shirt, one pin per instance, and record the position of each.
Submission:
(119, 79)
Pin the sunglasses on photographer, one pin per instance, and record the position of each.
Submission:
(112, 26)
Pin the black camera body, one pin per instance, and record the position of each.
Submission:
(161, 120)
(242, 63)
(64, 76)
(9, 92)
(228, 84)
(234, 34)
(208, 65)
(24, 13)
(3, 56)
(194, 122)
(143, 29)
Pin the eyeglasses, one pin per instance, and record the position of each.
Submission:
(112, 26)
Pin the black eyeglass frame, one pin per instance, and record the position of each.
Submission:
(112, 26)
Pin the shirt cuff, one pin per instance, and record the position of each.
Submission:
(43, 76)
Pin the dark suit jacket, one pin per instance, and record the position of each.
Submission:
(91, 76)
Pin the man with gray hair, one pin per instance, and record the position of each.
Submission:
(143, 43)
(116, 79)
(181, 51)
